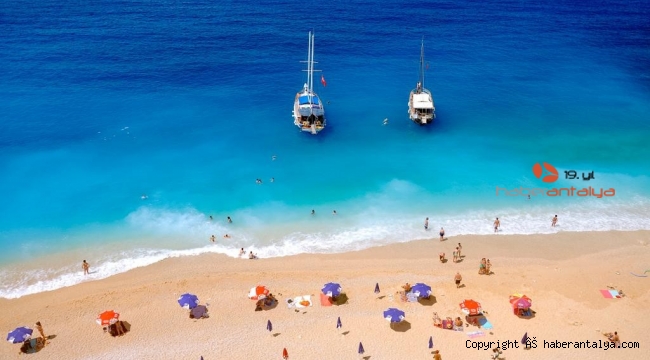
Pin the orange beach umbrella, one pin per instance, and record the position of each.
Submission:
(259, 292)
(107, 318)
(471, 307)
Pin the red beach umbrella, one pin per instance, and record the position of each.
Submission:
(259, 292)
(285, 354)
(107, 318)
(471, 307)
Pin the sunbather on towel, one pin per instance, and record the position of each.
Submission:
(458, 323)
(406, 287)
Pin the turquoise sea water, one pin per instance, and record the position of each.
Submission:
(187, 102)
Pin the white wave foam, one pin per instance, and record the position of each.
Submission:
(165, 233)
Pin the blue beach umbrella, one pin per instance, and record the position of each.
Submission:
(19, 335)
(377, 288)
(331, 289)
(525, 339)
(421, 290)
(338, 323)
(361, 350)
(188, 301)
(430, 342)
(269, 326)
(394, 315)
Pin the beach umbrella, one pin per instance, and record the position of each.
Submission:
(524, 339)
(259, 292)
(19, 335)
(521, 303)
(107, 318)
(471, 307)
(377, 288)
(188, 301)
(421, 290)
(361, 350)
(285, 354)
(338, 323)
(394, 315)
(269, 326)
(430, 342)
(331, 289)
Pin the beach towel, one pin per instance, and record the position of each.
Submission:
(475, 334)
(325, 300)
(485, 324)
(297, 300)
(610, 294)
(447, 324)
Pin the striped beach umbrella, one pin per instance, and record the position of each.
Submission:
(108, 317)
(188, 301)
(421, 290)
(331, 289)
(471, 307)
(19, 335)
(258, 293)
(394, 315)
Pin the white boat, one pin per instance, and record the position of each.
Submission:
(421, 108)
(308, 109)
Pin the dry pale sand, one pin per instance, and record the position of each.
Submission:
(562, 273)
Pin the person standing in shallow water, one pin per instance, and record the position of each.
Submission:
(554, 221)
(497, 224)
(442, 234)
(86, 267)
(426, 224)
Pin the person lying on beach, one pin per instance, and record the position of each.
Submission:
(458, 323)
(270, 300)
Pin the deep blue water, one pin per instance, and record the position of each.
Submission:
(188, 101)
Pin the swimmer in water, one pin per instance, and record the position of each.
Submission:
(273, 157)
(144, 197)
(313, 212)
(229, 220)
(386, 121)
(272, 179)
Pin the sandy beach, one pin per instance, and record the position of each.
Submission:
(562, 273)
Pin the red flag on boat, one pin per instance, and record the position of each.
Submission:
(322, 80)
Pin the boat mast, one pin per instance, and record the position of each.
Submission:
(422, 64)
(310, 65)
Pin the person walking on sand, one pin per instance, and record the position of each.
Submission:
(458, 279)
(455, 253)
(460, 248)
(554, 221)
(426, 224)
(86, 267)
(442, 234)
(497, 224)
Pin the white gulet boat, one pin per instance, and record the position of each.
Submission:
(308, 109)
(421, 108)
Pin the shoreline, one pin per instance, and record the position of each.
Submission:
(562, 273)
(64, 273)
